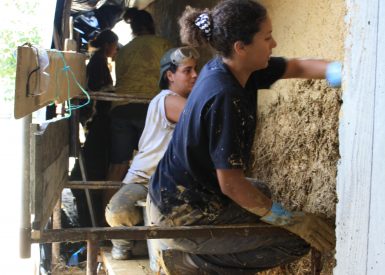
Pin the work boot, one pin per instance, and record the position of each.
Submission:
(121, 253)
(175, 262)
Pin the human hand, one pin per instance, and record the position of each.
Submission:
(334, 74)
(309, 227)
(313, 229)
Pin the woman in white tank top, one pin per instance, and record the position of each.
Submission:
(177, 77)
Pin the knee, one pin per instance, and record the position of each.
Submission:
(122, 209)
(123, 215)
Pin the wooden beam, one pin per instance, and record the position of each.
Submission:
(94, 185)
(62, 84)
(133, 97)
(153, 232)
(49, 167)
(92, 257)
(136, 266)
(56, 224)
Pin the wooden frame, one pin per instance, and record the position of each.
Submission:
(49, 156)
(49, 168)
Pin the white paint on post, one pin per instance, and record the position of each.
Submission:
(376, 248)
(361, 172)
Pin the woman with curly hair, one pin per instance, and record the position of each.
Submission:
(201, 178)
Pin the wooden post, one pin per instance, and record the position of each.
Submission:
(74, 131)
(65, 21)
(92, 257)
(88, 195)
(56, 224)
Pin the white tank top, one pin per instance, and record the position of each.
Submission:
(153, 143)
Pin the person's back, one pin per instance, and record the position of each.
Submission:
(137, 65)
(155, 138)
(199, 146)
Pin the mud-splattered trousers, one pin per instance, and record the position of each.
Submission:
(123, 211)
(230, 255)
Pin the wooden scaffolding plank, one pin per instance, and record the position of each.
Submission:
(49, 167)
(153, 232)
(136, 266)
(61, 83)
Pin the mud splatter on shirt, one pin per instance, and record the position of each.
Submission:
(215, 131)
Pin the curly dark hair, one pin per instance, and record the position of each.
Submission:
(140, 20)
(230, 21)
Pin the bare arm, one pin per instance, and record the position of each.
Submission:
(234, 185)
(174, 106)
(306, 68)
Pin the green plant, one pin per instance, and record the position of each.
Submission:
(20, 28)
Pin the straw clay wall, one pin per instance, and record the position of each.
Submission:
(296, 144)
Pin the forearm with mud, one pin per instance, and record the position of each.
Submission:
(308, 226)
(234, 185)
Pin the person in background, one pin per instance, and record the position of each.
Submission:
(95, 119)
(201, 178)
(137, 68)
(177, 77)
(102, 47)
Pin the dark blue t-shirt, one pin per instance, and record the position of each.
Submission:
(215, 131)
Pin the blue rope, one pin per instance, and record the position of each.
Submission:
(67, 69)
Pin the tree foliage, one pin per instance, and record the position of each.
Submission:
(21, 27)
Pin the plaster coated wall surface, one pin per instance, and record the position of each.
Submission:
(305, 28)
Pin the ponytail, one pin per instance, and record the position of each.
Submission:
(195, 27)
(140, 20)
(228, 22)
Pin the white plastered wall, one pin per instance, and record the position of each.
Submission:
(317, 28)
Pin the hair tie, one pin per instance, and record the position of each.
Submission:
(203, 23)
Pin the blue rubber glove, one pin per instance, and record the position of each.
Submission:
(277, 215)
(309, 227)
(334, 74)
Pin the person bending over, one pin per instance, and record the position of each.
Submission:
(201, 178)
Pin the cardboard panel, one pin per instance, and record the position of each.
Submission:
(58, 86)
